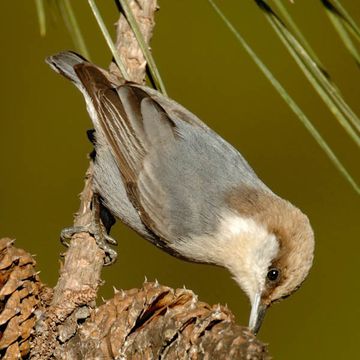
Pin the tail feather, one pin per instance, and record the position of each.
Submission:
(64, 63)
(86, 76)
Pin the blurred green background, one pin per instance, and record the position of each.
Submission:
(43, 154)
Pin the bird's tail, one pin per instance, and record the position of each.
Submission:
(64, 63)
(87, 77)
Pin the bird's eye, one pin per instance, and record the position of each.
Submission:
(273, 274)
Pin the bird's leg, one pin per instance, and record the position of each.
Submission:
(99, 228)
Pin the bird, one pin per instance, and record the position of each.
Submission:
(168, 176)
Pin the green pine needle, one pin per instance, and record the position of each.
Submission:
(72, 25)
(40, 9)
(286, 15)
(291, 103)
(321, 83)
(143, 45)
(336, 7)
(344, 26)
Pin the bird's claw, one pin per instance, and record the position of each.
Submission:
(103, 240)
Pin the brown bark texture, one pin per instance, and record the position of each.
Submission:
(154, 322)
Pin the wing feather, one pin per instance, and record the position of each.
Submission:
(135, 127)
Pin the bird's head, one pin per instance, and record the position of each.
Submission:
(272, 249)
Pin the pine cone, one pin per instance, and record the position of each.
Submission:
(158, 322)
(20, 289)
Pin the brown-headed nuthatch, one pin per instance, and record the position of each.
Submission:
(178, 184)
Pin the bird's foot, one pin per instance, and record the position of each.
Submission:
(102, 239)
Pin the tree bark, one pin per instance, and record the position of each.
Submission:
(152, 322)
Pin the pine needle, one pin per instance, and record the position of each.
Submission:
(288, 18)
(291, 103)
(336, 6)
(143, 46)
(324, 87)
(72, 25)
(40, 9)
(344, 26)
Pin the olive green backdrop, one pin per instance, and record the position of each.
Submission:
(43, 154)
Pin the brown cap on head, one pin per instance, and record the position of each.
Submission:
(296, 238)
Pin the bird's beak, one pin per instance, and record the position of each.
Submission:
(258, 310)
